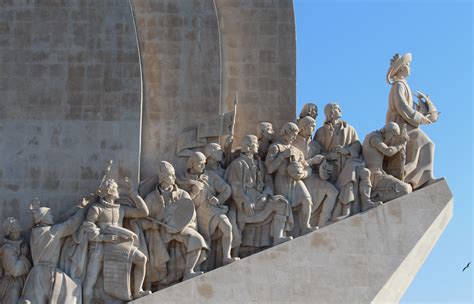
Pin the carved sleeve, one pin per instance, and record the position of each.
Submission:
(235, 179)
(409, 114)
(15, 265)
(273, 159)
(383, 148)
(221, 187)
(140, 209)
(70, 225)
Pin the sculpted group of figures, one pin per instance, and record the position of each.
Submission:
(225, 206)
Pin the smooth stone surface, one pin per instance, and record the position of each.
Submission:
(370, 257)
(70, 87)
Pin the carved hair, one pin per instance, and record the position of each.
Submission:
(247, 140)
(165, 168)
(305, 122)
(210, 148)
(9, 225)
(289, 128)
(261, 127)
(195, 158)
(391, 127)
(306, 109)
(328, 108)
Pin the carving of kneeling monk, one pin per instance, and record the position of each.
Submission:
(376, 146)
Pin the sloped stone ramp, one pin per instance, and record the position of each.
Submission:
(369, 258)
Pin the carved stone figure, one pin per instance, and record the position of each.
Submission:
(217, 159)
(252, 192)
(289, 168)
(165, 265)
(342, 149)
(265, 135)
(209, 193)
(322, 192)
(46, 283)
(111, 249)
(309, 109)
(420, 148)
(376, 146)
(14, 262)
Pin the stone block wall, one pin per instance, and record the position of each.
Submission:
(259, 61)
(69, 100)
(179, 44)
(79, 86)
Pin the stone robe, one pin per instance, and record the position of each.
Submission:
(249, 180)
(345, 166)
(294, 191)
(321, 191)
(208, 216)
(164, 266)
(385, 187)
(420, 148)
(46, 283)
(15, 268)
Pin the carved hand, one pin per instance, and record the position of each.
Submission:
(110, 238)
(316, 160)
(286, 154)
(130, 186)
(248, 208)
(214, 201)
(24, 249)
(342, 150)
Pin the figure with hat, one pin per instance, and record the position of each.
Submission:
(14, 262)
(418, 165)
(174, 245)
(46, 283)
(112, 249)
(209, 192)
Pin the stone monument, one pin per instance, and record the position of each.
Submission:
(178, 100)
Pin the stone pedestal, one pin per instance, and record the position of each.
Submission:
(370, 257)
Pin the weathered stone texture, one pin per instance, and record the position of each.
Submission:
(70, 99)
(179, 44)
(371, 257)
(258, 44)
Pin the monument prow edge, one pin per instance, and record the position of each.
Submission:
(371, 257)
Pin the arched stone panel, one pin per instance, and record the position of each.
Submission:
(259, 61)
(179, 46)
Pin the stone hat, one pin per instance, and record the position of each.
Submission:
(38, 212)
(396, 63)
(165, 168)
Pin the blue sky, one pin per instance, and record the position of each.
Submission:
(343, 52)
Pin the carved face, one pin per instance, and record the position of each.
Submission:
(199, 165)
(112, 191)
(217, 154)
(268, 132)
(335, 113)
(291, 137)
(252, 147)
(313, 111)
(389, 137)
(309, 129)
(167, 179)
